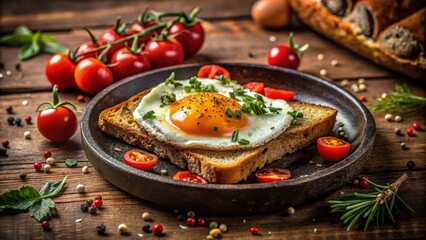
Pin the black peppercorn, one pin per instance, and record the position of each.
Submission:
(410, 165)
(18, 67)
(93, 210)
(11, 120)
(89, 203)
(5, 143)
(18, 121)
(54, 212)
(146, 228)
(84, 207)
(101, 229)
(23, 176)
(3, 151)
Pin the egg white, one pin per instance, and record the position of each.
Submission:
(258, 130)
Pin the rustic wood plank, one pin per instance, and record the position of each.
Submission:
(242, 38)
(59, 15)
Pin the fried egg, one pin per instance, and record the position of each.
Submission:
(211, 114)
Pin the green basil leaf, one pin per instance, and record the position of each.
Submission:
(28, 51)
(15, 40)
(18, 199)
(24, 30)
(40, 209)
(53, 47)
(53, 189)
(71, 163)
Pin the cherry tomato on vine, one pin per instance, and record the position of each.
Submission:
(272, 175)
(56, 122)
(332, 149)
(140, 159)
(274, 93)
(92, 75)
(138, 27)
(187, 176)
(60, 71)
(190, 36)
(110, 35)
(125, 63)
(211, 71)
(256, 87)
(164, 53)
(86, 47)
(287, 56)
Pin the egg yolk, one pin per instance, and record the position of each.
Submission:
(206, 114)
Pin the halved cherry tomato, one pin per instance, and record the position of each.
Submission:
(332, 149)
(278, 94)
(140, 159)
(256, 87)
(211, 71)
(273, 175)
(188, 176)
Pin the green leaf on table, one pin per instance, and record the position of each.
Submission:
(53, 47)
(71, 163)
(32, 49)
(27, 198)
(24, 30)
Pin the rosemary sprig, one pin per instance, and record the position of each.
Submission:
(376, 206)
(402, 101)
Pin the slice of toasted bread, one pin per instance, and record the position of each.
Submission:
(228, 166)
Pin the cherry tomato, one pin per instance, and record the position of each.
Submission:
(332, 149)
(88, 46)
(272, 175)
(283, 56)
(60, 71)
(137, 28)
(126, 63)
(92, 75)
(56, 122)
(187, 176)
(256, 87)
(278, 94)
(110, 35)
(191, 37)
(140, 159)
(211, 71)
(164, 53)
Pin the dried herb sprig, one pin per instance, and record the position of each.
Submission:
(376, 206)
(401, 101)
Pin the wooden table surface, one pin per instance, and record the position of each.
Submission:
(231, 37)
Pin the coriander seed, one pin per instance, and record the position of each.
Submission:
(320, 56)
(190, 214)
(215, 232)
(146, 216)
(403, 145)
(85, 169)
(122, 228)
(361, 81)
(27, 135)
(334, 63)
(290, 211)
(398, 118)
(388, 117)
(50, 160)
(323, 72)
(80, 188)
(398, 132)
(47, 168)
(223, 228)
(213, 224)
(344, 83)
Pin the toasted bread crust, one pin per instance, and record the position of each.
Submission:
(215, 166)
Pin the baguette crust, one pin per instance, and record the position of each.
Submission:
(312, 13)
(228, 166)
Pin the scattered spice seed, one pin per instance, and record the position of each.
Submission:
(85, 169)
(190, 214)
(409, 131)
(45, 225)
(181, 218)
(362, 98)
(363, 183)
(410, 165)
(1, 76)
(93, 210)
(334, 63)
(201, 222)
(27, 135)
(146, 216)
(79, 220)
(361, 81)
(18, 67)
(388, 117)
(24, 102)
(117, 149)
(355, 88)
(190, 222)
(47, 154)
(210, 237)
(1, 65)
(9, 109)
(98, 203)
(122, 228)
(146, 228)
(8, 73)
(272, 38)
(101, 229)
(157, 229)
(28, 119)
(344, 83)
(89, 202)
(84, 207)
(223, 228)
(80, 98)
(398, 118)
(11, 121)
(290, 211)
(323, 72)
(398, 132)
(254, 230)
(320, 56)
(98, 197)
(38, 166)
(80, 188)
(164, 172)
(53, 212)
(362, 87)
(215, 232)
(384, 95)
(251, 55)
(18, 121)
(356, 182)
(47, 168)
(5, 143)
(23, 176)
(403, 145)
(50, 161)
(213, 224)
(416, 126)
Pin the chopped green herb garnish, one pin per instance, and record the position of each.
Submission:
(272, 128)
(274, 109)
(215, 129)
(340, 124)
(232, 95)
(125, 107)
(229, 113)
(246, 108)
(197, 86)
(259, 98)
(257, 108)
(238, 114)
(149, 115)
(167, 99)
(243, 141)
(224, 80)
(171, 80)
(71, 163)
(295, 114)
(235, 135)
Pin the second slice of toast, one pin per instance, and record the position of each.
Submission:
(229, 166)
